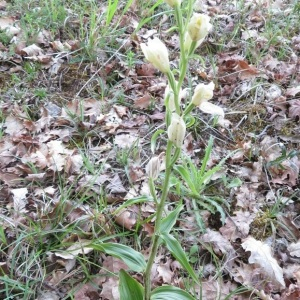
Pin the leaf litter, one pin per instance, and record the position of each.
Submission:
(85, 143)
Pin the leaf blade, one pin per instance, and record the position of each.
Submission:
(129, 288)
(175, 248)
(133, 259)
(170, 293)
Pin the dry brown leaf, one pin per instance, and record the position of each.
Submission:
(19, 197)
(115, 186)
(143, 102)
(126, 140)
(7, 24)
(294, 110)
(294, 249)
(261, 255)
(126, 218)
(32, 50)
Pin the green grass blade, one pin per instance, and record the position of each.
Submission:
(170, 293)
(154, 138)
(175, 248)
(206, 156)
(129, 288)
(133, 259)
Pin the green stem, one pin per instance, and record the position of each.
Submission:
(183, 62)
(159, 212)
(152, 189)
(174, 87)
(188, 109)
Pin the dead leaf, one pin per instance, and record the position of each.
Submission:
(143, 102)
(294, 110)
(32, 50)
(126, 140)
(126, 218)
(294, 249)
(262, 256)
(74, 250)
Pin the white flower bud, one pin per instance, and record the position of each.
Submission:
(176, 130)
(157, 54)
(188, 42)
(173, 3)
(171, 102)
(199, 27)
(153, 167)
(202, 93)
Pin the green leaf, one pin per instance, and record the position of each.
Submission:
(133, 259)
(235, 182)
(217, 206)
(168, 222)
(206, 156)
(170, 293)
(154, 138)
(136, 200)
(129, 288)
(175, 248)
(186, 176)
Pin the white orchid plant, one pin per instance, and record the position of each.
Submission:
(155, 51)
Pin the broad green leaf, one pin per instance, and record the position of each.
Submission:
(170, 293)
(129, 288)
(168, 222)
(133, 259)
(175, 248)
(154, 138)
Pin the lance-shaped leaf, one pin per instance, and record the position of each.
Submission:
(169, 221)
(133, 259)
(170, 293)
(129, 288)
(175, 248)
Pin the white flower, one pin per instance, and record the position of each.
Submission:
(173, 3)
(157, 54)
(176, 130)
(203, 92)
(199, 27)
(212, 109)
(153, 167)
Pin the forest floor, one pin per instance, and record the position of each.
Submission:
(78, 106)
